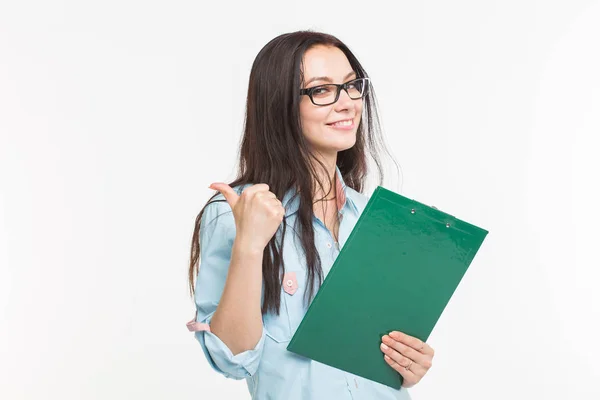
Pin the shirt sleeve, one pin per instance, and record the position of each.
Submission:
(217, 232)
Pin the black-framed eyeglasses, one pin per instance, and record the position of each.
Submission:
(324, 95)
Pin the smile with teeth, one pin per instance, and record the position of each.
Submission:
(347, 122)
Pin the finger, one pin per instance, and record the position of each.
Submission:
(265, 194)
(410, 378)
(273, 200)
(403, 360)
(230, 195)
(275, 203)
(254, 189)
(269, 198)
(413, 342)
(417, 371)
(407, 351)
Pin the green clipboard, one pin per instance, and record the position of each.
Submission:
(397, 271)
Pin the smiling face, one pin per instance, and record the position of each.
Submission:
(321, 125)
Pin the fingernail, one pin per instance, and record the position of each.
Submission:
(384, 346)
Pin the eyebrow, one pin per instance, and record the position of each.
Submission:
(328, 79)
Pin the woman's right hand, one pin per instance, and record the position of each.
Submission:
(257, 213)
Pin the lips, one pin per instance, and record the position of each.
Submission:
(341, 120)
(343, 125)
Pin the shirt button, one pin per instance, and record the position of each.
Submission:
(328, 244)
(289, 283)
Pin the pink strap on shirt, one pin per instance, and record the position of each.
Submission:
(290, 283)
(194, 326)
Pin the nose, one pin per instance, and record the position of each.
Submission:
(344, 102)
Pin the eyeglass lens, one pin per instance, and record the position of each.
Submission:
(325, 94)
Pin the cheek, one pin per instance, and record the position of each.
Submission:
(359, 108)
(313, 118)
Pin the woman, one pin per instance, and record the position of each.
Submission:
(269, 238)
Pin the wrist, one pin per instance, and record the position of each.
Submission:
(246, 248)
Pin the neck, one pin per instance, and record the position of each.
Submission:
(327, 178)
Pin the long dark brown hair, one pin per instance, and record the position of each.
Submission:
(274, 151)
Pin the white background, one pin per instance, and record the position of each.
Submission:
(115, 116)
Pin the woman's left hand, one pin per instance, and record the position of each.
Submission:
(409, 356)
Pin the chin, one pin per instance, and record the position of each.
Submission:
(329, 143)
(345, 145)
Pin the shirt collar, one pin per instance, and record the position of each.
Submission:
(291, 202)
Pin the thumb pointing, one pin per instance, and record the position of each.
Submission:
(230, 195)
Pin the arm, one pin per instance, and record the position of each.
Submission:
(238, 318)
(228, 297)
(229, 283)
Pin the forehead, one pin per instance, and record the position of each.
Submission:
(325, 61)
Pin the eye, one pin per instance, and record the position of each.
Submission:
(355, 83)
(323, 90)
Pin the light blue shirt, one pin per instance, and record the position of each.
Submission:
(271, 371)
